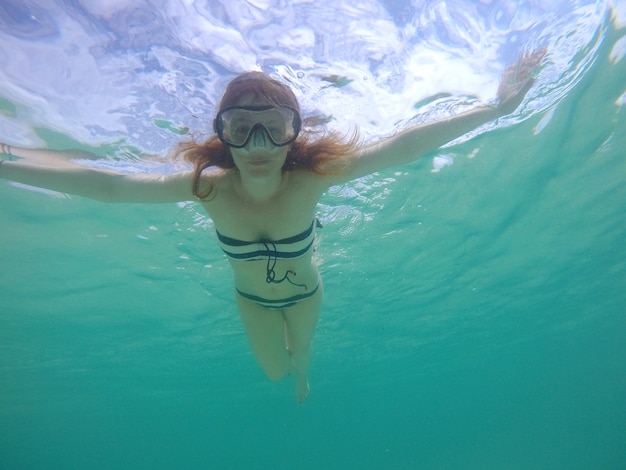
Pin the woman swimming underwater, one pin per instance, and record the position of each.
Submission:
(260, 178)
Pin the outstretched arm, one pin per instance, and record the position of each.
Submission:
(54, 170)
(415, 142)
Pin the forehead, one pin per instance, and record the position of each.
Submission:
(247, 99)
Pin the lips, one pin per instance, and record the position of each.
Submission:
(259, 162)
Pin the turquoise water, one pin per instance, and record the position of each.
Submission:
(474, 317)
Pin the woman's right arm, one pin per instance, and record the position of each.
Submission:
(53, 170)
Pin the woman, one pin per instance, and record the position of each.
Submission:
(259, 178)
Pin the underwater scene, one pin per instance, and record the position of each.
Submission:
(474, 313)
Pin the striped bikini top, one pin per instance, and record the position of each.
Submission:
(287, 248)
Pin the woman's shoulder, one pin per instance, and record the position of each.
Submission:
(211, 181)
(305, 177)
(215, 175)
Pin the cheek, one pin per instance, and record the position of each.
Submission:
(237, 154)
(283, 156)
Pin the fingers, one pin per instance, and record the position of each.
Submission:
(517, 79)
(6, 149)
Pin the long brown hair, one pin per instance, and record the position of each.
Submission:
(311, 151)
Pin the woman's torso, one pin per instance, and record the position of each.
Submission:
(286, 217)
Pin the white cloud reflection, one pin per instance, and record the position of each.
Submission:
(100, 71)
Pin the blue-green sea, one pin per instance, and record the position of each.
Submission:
(474, 317)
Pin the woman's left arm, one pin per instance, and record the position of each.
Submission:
(56, 171)
(416, 142)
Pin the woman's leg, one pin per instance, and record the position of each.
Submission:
(301, 321)
(281, 339)
(266, 332)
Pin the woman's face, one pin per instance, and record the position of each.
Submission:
(260, 156)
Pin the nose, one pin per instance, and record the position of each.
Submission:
(259, 137)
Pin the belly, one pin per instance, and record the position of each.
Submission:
(277, 279)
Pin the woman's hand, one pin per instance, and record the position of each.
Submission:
(516, 80)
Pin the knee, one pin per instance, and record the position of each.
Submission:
(275, 373)
(276, 368)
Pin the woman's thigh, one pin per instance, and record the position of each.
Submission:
(266, 333)
(301, 321)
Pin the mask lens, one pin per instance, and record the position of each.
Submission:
(235, 125)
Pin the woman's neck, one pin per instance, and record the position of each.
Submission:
(262, 189)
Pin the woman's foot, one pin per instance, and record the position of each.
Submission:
(302, 388)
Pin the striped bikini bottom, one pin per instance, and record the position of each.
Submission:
(278, 304)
